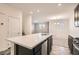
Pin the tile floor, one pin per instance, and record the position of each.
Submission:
(58, 50)
(6, 52)
(60, 46)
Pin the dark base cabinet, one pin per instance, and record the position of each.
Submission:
(25, 51)
(70, 43)
(49, 45)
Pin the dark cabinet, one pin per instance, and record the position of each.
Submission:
(20, 50)
(49, 45)
(70, 43)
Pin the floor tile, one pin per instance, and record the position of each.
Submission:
(58, 50)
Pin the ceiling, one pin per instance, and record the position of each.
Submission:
(45, 11)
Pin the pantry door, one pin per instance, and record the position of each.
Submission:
(4, 25)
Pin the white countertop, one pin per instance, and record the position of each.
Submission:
(29, 41)
(74, 35)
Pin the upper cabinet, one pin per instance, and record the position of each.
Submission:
(76, 16)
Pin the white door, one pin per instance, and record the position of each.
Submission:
(14, 30)
(14, 27)
(3, 32)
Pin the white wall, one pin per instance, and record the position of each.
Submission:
(27, 24)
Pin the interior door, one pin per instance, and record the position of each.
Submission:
(14, 27)
(3, 32)
(14, 30)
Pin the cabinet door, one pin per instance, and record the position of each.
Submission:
(49, 45)
(70, 43)
(3, 32)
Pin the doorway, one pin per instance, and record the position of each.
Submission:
(60, 30)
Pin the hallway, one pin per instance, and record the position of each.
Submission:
(60, 30)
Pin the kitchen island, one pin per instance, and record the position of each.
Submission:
(31, 44)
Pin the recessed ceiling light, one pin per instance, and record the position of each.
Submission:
(59, 4)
